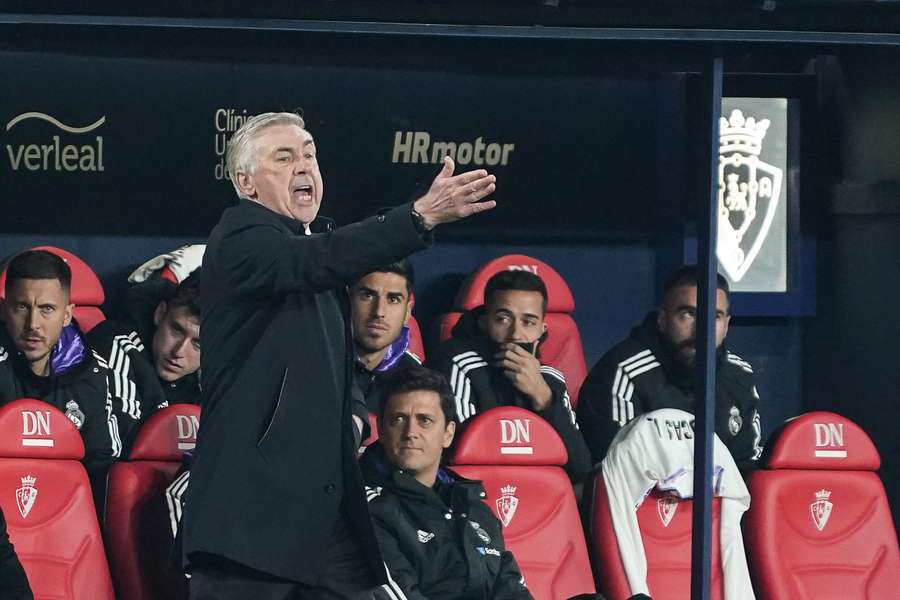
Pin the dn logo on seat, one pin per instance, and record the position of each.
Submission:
(36, 423)
(187, 431)
(515, 431)
(828, 436)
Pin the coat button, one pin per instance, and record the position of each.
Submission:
(448, 516)
(329, 489)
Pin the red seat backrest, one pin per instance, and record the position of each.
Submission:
(415, 339)
(518, 457)
(562, 348)
(86, 292)
(819, 526)
(137, 527)
(47, 501)
(665, 523)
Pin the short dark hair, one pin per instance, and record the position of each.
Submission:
(402, 267)
(39, 264)
(690, 275)
(515, 280)
(185, 294)
(415, 379)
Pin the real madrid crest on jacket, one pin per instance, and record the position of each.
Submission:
(77, 386)
(639, 375)
(438, 543)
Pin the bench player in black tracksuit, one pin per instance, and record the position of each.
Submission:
(493, 359)
(437, 537)
(653, 368)
(153, 351)
(43, 356)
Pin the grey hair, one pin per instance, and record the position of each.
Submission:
(241, 153)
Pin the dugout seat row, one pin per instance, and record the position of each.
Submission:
(819, 525)
(49, 508)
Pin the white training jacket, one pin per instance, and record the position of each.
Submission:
(657, 450)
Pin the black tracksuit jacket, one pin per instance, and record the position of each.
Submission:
(440, 543)
(639, 375)
(13, 581)
(126, 345)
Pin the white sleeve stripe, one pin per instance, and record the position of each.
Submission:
(393, 584)
(459, 381)
(623, 388)
(174, 494)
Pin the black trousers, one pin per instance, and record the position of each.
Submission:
(345, 575)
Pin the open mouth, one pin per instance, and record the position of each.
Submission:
(304, 192)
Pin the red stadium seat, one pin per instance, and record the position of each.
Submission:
(518, 457)
(48, 504)
(819, 526)
(665, 523)
(562, 348)
(137, 527)
(86, 293)
(415, 339)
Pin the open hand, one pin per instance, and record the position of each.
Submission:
(454, 197)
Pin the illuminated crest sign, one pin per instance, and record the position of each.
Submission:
(749, 190)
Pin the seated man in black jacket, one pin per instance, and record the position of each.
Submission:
(380, 307)
(653, 368)
(438, 538)
(43, 356)
(153, 350)
(493, 359)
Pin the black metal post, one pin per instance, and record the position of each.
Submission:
(705, 368)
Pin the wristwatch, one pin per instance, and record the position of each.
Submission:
(418, 220)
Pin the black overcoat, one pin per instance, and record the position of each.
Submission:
(275, 452)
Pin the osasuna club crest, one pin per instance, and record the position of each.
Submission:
(666, 507)
(749, 189)
(26, 495)
(507, 504)
(820, 510)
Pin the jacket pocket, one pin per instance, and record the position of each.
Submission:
(274, 416)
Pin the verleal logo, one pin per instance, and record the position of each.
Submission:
(57, 152)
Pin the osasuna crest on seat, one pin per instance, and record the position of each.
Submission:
(26, 495)
(666, 507)
(507, 504)
(820, 510)
(749, 190)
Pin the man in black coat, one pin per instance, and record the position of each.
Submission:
(439, 540)
(276, 506)
(653, 368)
